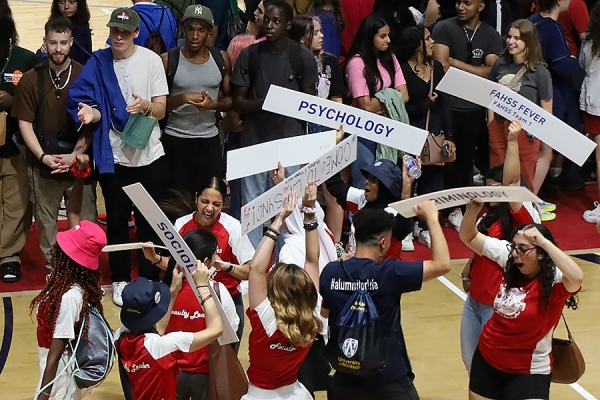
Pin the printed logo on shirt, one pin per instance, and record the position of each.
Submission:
(349, 347)
(477, 54)
(279, 346)
(338, 284)
(135, 367)
(510, 305)
(186, 314)
(12, 77)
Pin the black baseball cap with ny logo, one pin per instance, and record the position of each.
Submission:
(124, 18)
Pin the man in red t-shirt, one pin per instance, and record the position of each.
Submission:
(575, 22)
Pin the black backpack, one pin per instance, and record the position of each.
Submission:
(356, 345)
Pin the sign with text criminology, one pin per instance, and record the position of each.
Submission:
(356, 121)
(457, 197)
(178, 248)
(511, 105)
(268, 204)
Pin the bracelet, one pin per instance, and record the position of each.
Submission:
(42, 157)
(307, 210)
(201, 286)
(81, 174)
(275, 231)
(205, 300)
(464, 278)
(312, 225)
(228, 270)
(159, 260)
(267, 234)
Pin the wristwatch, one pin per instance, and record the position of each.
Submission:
(464, 278)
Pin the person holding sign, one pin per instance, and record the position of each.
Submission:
(234, 250)
(282, 316)
(481, 276)
(522, 69)
(513, 356)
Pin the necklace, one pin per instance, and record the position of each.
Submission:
(56, 81)
(10, 47)
(474, 32)
(470, 42)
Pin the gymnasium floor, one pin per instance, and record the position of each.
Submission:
(430, 318)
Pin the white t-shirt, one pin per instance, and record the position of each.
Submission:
(68, 316)
(142, 74)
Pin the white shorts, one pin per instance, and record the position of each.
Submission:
(60, 388)
(295, 391)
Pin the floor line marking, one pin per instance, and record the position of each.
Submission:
(576, 386)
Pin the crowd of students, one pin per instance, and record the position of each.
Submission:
(174, 89)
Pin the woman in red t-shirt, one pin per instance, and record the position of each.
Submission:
(513, 357)
(281, 312)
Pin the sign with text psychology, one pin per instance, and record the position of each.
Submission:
(268, 204)
(178, 248)
(356, 121)
(290, 151)
(457, 197)
(511, 105)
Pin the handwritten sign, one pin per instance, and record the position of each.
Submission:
(457, 197)
(268, 204)
(511, 105)
(290, 151)
(356, 121)
(178, 248)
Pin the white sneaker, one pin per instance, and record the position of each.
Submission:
(118, 292)
(478, 180)
(592, 216)
(407, 243)
(455, 219)
(425, 238)
(416, 230)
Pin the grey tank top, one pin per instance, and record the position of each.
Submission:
(187, 121)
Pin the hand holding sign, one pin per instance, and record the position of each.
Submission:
(474, 206)
(514, 129)
(177, 281)
(427, 210)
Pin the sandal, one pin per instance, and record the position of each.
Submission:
(11, 272)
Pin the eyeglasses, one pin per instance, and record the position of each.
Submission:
(520, 249)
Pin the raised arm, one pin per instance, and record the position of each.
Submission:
(468, 228)
(259, 266)
(176, 283)
(214, 325)
(512, 165)
(440, 255)
(311, 265)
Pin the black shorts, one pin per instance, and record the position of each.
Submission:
(489, 382)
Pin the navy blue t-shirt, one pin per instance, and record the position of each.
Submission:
(385, 282)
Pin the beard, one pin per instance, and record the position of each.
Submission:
(58, 59)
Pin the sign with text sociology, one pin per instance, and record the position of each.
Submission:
(267, 205)
(178, 248)
(356, 121)
(457, 197)
(511, 105)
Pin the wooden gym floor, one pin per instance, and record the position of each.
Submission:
(430, 318)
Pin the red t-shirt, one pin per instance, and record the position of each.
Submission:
(150, 363)
(354, 12)
(486, 274)
(274, 362)
(232, 246)
(518, 337)
(574, 21)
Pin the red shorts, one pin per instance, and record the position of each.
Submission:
(591, 124)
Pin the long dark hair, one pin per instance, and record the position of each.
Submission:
(201, 242)
(6, 12)
(411, 39)
(593, 31)
(177, 203)
(334, 6)
(514, 277)
(81, 16)
(362, 46)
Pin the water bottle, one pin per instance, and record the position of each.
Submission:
(412, 166)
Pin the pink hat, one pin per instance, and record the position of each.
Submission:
(83, 243)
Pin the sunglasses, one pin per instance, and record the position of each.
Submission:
(520, 249)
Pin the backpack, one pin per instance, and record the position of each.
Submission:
(155, 41)
(295, 56)
(355, 347)
(92, 358)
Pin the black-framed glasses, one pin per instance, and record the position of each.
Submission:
(520, 249)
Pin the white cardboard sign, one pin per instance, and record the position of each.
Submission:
(178, 248)
(356, 121)
(130, 246)
(269, 203)
(511, 105)
(290, 151)
(457, 197)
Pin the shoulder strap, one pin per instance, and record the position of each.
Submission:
(516, 78)
(567, 326)
(172, 64)
(125, 384)
(296, 62)
(40, 87)
(218, 57)
(430, 93)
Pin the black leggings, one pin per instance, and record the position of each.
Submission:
(192, 386)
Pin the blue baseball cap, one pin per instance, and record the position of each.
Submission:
(388, 173)
(145, 302)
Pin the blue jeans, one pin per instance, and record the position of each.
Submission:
(252, 187)
(474, 316)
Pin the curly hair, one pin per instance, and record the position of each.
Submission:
(66, 274)
(293, 297)
(593, 31)
(514, 277)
